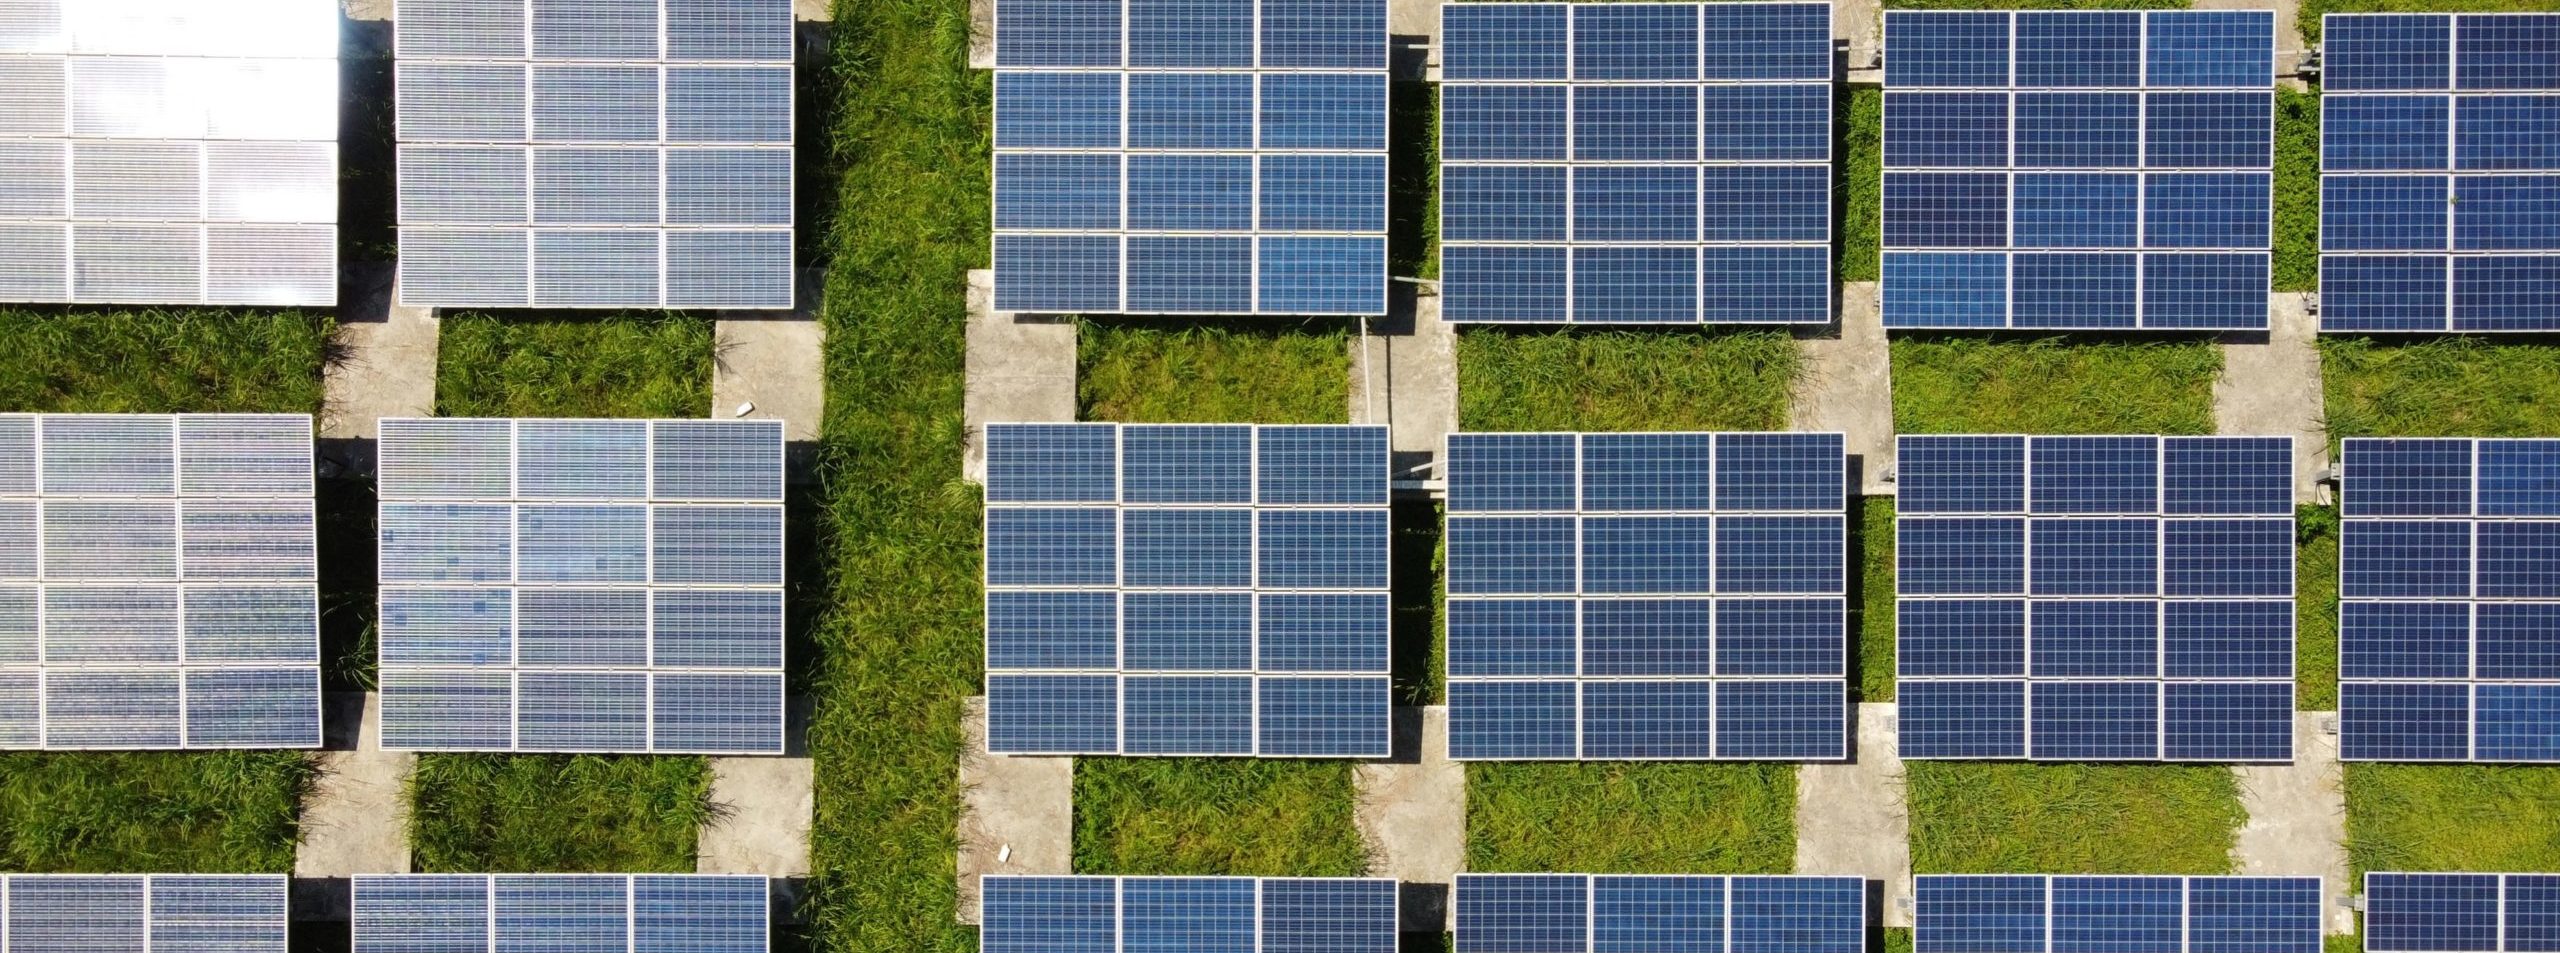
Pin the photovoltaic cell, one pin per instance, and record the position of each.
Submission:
(2461, 913)
(2440, 143)
(110, 913)
(1646, 596)
(2447, 573)
(2020, 913)
(2095, 597)
(2093, 170)
(1224, 914)
(1599, 913)
(1182, 589)
(633, 154)
(581, 585)
(1694, 166)
(587, 913)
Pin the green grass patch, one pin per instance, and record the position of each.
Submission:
(178, 812)
(2440, 387)
(624, 365)
(1871, 603)
(1133, 371)
(1631, 817)
(1417, 647)
(2297, 183)
(1413, 180)
(1624, 380)
(1224, 816)
(471, 813)
(172, 361)
(2315, 614)
(2056, 385)
(2006, 817)
(1857, 163)
(2452, 817)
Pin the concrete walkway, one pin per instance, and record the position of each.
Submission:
(2271, 386)
(1412, 812)
(1847, 386)
(1017, 814)
(763, 810)
(355, 820)
(771, 365)
(1850, 818)
(1857, 29)
(382, 364)
(1404, 374)
(1020, 370)
(2298, 816)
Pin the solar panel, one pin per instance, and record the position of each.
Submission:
(2013, 913)
(626, 153)
(1647, 596)
(2095, 598)
(2094, 170)
(2450, 586)
(581, 585)
(113, 913)
(585, 913)
(2461, 913)
(1187, 589)
(1636, 162)
(169, 152)
(158, 582)
(1578, 913)
(1202, 914)
(1209, 157)
(2440, 173)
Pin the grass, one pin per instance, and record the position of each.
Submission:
(1231, 816)
(1631, 817)
(556, 813)
(1871, 606)
(1624, 380)
(2055, 385)
(2297, 183)
(1857, 162)
(2452, 817)
(2315, 627)
(162, 361)
(178, 812)
(624, 365)
(2001, 817)
(1247, 371)
(2436, 387)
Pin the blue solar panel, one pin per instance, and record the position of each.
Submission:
(2139, 142)
(1688, 147)
(1231, 159)
(1706, 571)
(117, 913)
(2012, 913)
(1186, 915)
(1187, 589)
(2442, 913)
(587, 913)
(2439, 152)
(1614, 913)
(2095, 598)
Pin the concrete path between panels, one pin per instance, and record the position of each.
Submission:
(762, 808)
(771, 365)
(355, 819)
(1847, 385)
(2298, 816)
(1850, 817)
(1017, 814)
(1404, 374)
(1020, 369)
(381, 363)
(1412, 812)
(1857, 30)
(2270, 386)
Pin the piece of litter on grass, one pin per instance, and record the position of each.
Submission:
(746, 408)
(1004, 853)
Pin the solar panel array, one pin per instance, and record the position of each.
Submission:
(1636, 162)
(1188, 914)
(1575, 913)
(581, 585)
(2101, 170)
(1647, 596)
(1187, 589)
(158, 582)
(2461, 913)
(2095, 598)
(586, 913)
(1191, 156)
(2440, 172)
(2005, 913)
(214, 913)
(2449, 574)
(169, 151)
(597, 154)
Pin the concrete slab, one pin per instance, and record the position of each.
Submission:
(355, 819)
(1017, 814)
(368, 9)
(1850, 817)
(2270, 385)
(763, 809)
(1413, 38)
(1021, 369)
(1404, 374)
(1412, 813)
(982, 34)
(382, 361)
(1857, 29)
(814, 11)
(2298, 816)
(771, 365)
(1847, 385)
